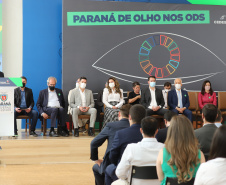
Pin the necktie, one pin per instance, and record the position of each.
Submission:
(180, 99)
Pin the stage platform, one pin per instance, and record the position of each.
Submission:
(26, 160)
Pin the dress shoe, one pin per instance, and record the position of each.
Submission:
(33, 134)
(90, 133)
(64, 133)
(53, 134)
(76, 133)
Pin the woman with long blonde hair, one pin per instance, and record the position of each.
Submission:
(181, 157)
(112, 99)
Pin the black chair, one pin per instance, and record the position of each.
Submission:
(174, 181)
(143, 172)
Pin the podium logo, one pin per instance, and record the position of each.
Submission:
(3, 97)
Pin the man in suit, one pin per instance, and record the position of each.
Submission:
(152, 98)
(178, 100)
(107, 133)
(51, 103)
(122, 139)
(205, 133)
(1, 74)
(82, 102)
(167, 88)
(162, 133)
(144, 153)
(23, 105)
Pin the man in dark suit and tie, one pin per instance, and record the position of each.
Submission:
(51, 103)
(23, 105)
(178, 100)
(122, 139)
(107, 133)
(162, 133)
(152, 98)
(205, 133)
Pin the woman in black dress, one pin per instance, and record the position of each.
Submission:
(134, 96)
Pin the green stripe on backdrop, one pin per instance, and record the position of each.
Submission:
(208, 2)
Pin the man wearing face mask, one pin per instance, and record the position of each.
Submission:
(178, 100)
(167, 88)
(82, 102)
(51, 103)
(24, 103)
(152, 98)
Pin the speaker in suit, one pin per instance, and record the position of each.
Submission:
(23, 100)
(173, 102)
(80, 98)
(146, 100)
(1, 74)
(205, 136)
(108, 134)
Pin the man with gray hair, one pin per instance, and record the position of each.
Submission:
(51, 103)
(178, 100)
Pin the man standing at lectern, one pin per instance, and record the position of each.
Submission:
(24, 103)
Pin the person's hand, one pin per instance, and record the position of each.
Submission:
(44, 115)
(180, 110)
(157, 108)
(28, 110)
(99, 161)
(114, 107)
(81, 109)
(138, 97)
(154, 108)
(87, 108)
(18, 110)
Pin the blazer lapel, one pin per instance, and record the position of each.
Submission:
(86, 96)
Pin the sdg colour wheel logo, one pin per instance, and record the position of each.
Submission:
(145, 58)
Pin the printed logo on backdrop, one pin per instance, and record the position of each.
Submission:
(222, 20)
(5, 103)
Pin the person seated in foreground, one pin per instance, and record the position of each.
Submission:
(181, 157)
(122, 139)
(144, 153)
(108, 134)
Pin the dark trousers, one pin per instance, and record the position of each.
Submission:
(99, 177)
(110, 174)
(55, 113)
(161, 111)
(186, 112)
(33, 114)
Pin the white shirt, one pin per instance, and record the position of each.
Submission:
(218, 124)
(165, 94)
(212, 172)
(153, 99)
(143, 153)
(108, 97)
(178, 98)
(83, 97)
(53, 99)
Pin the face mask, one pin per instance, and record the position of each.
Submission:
(83, 85)
(51, 88)
(111, 85)
(77, 85)
(167, 90)
(23, 85)
(207, 88)
(152, 84)
(178, 86)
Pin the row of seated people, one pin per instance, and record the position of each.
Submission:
(51, 103)
(134, 141)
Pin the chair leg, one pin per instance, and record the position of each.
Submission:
(26, 126)
(29, 126)
(44, 127)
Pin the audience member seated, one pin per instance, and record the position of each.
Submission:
(122, 139)
(178, 100)
(213, 171)
(205, 133)
(108, 134)
(219, 119)
(167, 88)
(152, 98)
(82, 103)
(134, 96)
(143, 153)
(181, 157)
(113, 100)
(23, 105)
(162, 133)
(207, 96)
(51, 103)
(81, 122)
